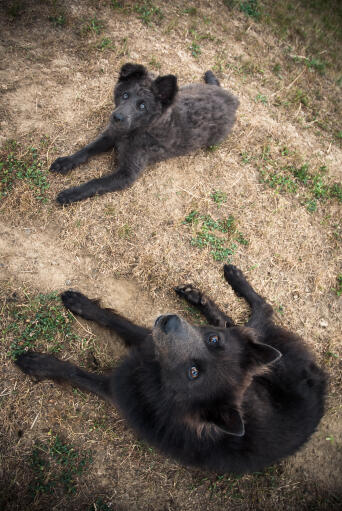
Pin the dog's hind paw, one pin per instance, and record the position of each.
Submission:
(63, 165)
(79, 304)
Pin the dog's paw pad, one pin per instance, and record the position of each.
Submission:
(190, 293)
(30, 363)
(74, 301)
(65, 197)
(62, 165)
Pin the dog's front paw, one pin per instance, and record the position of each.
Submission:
(234, 276)
(78, 303)
(190, 294)
(67, 196)
(37, 365)
(63, 165)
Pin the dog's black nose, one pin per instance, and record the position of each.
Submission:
(118, 117)
(170, 323)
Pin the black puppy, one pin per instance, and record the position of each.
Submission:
(226, 398)
(150, 123)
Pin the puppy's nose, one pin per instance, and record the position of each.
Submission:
(170, 323)
(118, 117)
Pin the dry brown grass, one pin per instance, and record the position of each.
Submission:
(131, 248)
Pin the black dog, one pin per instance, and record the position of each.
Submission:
(223, 397)
(150, 123)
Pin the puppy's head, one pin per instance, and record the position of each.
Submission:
(206, 370)
(140, 98)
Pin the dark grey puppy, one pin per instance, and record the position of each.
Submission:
(152, 121)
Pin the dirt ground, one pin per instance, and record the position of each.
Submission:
(277, 174)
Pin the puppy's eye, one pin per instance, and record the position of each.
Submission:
(213, 340)
(193, 373)
(125, 95)
(142, 106)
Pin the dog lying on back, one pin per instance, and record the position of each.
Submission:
(152, 122)
(222, 397)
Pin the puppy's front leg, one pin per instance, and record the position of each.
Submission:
(207, 307)
(102, 143)
(123, 178)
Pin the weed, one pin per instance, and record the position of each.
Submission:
(42, 321)
(56, 464)
(58, 21)
(261, 98)
(148, 13)
(154, 63)
(339, 285)
(316, 64)
(95, 25)
(301, 97)
(106, 44)
(311, 205)
(206, 237)
(27, 167)
(195, 49)
(250, 8)
(190, 10)
(125, 232)
(219, 197)
(15, 10)
(117, 4)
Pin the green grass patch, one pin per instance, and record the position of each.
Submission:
(56, 466)
(220, 236)
(58, 21)
(148, 13)
(23, 165)
(338, 288)
(277, 171)
(40, 323)
(250, 8)
(195, 49)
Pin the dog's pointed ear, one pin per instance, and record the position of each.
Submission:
(165, 89)
(132, 71)
(258, 352)
(228, 420)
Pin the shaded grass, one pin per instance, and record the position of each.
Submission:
(56, 465)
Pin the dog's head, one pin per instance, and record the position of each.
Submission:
(206, 370)
(139, 98)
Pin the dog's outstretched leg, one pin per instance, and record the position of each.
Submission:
(46, 367)
(211, 79)
(101, 144)
(261, 311)
(89, 309)
(206, 306)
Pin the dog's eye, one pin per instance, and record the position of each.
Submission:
(125, 95)
(142, 106)
(193, 373)
(213, 340)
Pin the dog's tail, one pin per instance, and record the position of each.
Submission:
(211, 79)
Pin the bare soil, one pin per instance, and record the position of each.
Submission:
(59, 62)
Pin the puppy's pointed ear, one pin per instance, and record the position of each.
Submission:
(257, 353)
(165, 89)
(132, 71)
(228, 420)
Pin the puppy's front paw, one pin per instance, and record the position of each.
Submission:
(234, 277)
(191, 294)
(63, 165)
(78, 303)
(67, 196)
